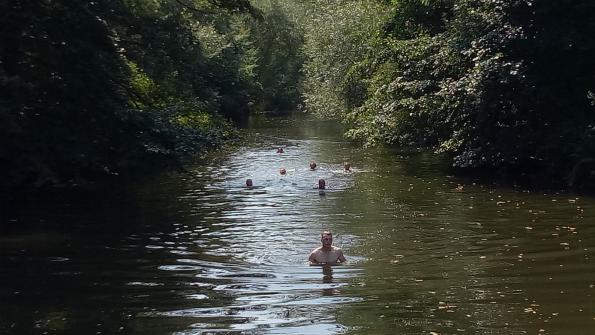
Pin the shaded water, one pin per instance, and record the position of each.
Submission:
(197, 253)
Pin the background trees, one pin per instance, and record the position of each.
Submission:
(279, 55)
(504, 85)
(94, 89)
(89, 90)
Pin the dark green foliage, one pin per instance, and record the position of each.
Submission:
(89, 90)
(496, 84)
(237, 5)
(412, 18)
(58, 68)
(531, 67)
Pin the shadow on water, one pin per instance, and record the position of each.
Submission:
(199, 253)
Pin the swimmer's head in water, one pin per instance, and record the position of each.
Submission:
(312, 165)
(282, 171)
(249, 183)
(321, 184)
(280, 151)
(347, 166)
(326, 238)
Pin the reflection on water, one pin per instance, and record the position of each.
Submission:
(200, 253)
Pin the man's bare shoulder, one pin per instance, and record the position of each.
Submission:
(317, 250)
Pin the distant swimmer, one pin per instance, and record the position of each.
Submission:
(321, 184)
(347, 167)
(327, 254)
(249, 183)
(312, 165)
(280, 150)
(282, 171)
(321, 187)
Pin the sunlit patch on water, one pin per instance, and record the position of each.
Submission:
(182, 252)
(264, 297)
(149, 284)
(273, 327)
(154, 246)
(251, 245)
(179, 268)
(266, 310)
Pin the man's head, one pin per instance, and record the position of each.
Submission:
(326, 238)
(282, 171)
(321, 184)
(280, 150)
(249, 182)
(312, 165)
(347, 166)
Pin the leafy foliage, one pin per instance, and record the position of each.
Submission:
(94, 89)
(337, 34)
(505, 85)
(279, 57)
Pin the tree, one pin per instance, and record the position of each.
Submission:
(94, 89)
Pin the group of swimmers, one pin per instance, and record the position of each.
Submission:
(327, 253)
(283, 171)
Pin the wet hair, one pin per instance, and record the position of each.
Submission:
(321, 184)
(326, 232)
(312, 165)
(249, 182)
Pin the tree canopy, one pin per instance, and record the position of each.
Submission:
(89, 90)
(498, 85)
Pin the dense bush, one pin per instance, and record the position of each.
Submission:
(504, 85)
(90, 90)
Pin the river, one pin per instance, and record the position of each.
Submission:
(198, 253)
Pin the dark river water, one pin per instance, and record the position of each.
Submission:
(197, 253)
